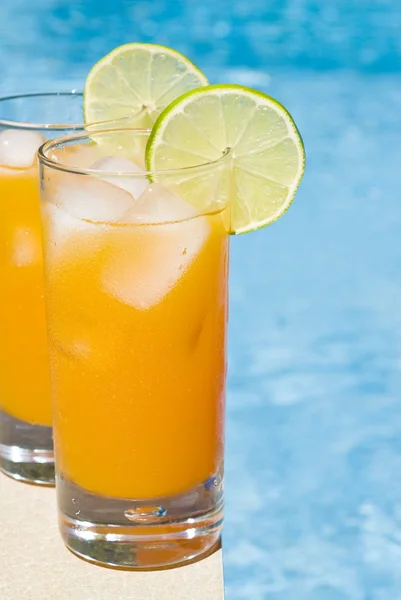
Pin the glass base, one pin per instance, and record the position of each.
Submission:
(141, 534)
(26, 451)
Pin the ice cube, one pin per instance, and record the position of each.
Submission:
(157, 204)
(91, 199)
(18, 147)
(147, 261)
(76, 155)
(116, 164)
(76, 348)
(26, 248)
(74, 333)
(61, 231)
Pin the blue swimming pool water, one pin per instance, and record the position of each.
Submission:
(314, 398)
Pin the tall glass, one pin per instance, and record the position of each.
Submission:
(136, 290)
(26, 446)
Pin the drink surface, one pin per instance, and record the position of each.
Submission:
(24, 386)
(137, 333)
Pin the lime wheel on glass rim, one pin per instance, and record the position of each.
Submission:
(267, 153)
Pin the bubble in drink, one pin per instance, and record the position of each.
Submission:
(148, 260)
(18, 147)
(116, 164)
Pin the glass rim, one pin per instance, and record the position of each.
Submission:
(26, 125)
(55, 143)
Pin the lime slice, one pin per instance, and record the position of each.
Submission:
(267, 153)
(138, 81)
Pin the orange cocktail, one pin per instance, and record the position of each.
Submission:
(136, 289)
(26, 444)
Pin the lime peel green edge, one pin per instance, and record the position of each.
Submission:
(234, 87)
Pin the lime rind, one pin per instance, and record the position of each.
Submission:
(268, 156)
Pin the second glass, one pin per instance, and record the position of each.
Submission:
(136, 285)
(26, 445)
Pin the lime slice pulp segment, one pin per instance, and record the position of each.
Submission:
(138, 81)
(267, 152)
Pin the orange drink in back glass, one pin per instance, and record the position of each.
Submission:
(26, 445)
